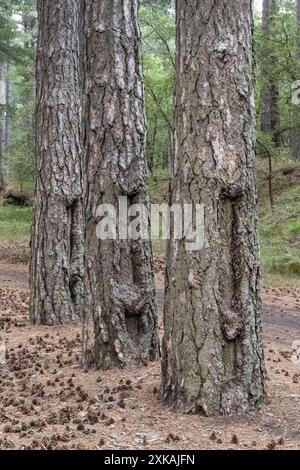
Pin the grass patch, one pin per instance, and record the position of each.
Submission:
(15, 223)
(271, 280)
(280, 234)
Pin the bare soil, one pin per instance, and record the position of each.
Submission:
(49, 402)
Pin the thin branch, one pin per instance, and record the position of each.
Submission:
(163, 40)
(156, 100)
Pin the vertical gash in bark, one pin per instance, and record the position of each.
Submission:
(212, 349)
(121, 319)
(56, 272)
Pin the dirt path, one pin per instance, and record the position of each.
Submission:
(278, 310)
(48, 401)
(282, 311)
(14, 275)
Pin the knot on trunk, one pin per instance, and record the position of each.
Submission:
(231, 324)
(131, 298)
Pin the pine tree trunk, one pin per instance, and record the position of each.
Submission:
(5, 118)
(2, 125)
(270, 119)
(56, 271)
(120, 314)
(295, 134)
(8, 96)
(212, 348)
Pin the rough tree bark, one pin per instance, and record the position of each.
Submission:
(56, 271)
(270, 118)
(120, 313)
(212, 348)
(295, 134)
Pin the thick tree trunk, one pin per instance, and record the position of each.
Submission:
(295, 135)
(212, 348)
(121, 319)
(270, 118)
(56, 271)
(2, 124)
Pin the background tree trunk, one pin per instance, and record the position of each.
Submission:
(5, 117)
(8, 99)
(56, 271)
(212, 348)
(270, 119)
(2, 125)
(295, 135)
(121, 318)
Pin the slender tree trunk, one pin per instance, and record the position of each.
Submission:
(120, 314)
(212, 348)
(2, 125)
(270, 119)
(56, 271)
(295, 135)
(5, 116)
(152, 146)
(165, 159)
(8, 99)
(270, 180)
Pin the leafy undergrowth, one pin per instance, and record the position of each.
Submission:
(280, 235)
(280, 226)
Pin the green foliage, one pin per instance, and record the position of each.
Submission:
(265, 145)
(12, 34)
(20, 153)
(8, 30)
(158, 30)
(279, 49)
(20, 53)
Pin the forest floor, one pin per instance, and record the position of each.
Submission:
(49, 402)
